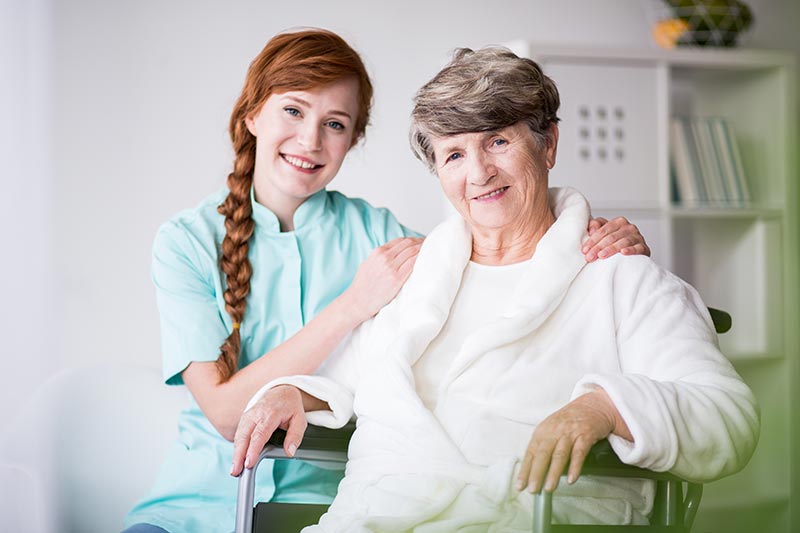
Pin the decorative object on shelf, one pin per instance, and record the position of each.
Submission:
(705, 163)
(700, 22)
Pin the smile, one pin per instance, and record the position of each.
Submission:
(300, 163)
(494, 193)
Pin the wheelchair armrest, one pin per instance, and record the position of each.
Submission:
(673, 508)
(319, 444)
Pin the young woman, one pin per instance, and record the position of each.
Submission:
(262, 279)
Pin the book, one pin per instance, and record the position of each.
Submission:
(706, 164)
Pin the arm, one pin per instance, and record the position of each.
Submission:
(687, 409)
(193, 329)
(609, 237)
(376, 283)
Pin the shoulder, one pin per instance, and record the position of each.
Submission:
(640, 286)
(199, 220)
(193, 232)
(379, 222)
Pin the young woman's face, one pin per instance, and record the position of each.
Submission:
(302, 138)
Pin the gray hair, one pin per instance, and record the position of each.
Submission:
(483, 90)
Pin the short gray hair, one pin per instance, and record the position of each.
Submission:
(483, 90)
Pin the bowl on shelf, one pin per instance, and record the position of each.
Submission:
(715, 23)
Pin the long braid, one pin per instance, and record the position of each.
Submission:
(239, 225)
(291, 61)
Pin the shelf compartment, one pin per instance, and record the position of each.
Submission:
(735, 264)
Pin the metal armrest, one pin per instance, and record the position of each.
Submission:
(672, 509)
(319, 444)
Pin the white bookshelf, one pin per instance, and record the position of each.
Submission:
(615, 110)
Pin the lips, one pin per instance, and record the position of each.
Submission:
(492, 194)
(301, 162)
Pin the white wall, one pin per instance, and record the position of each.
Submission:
(115, 113)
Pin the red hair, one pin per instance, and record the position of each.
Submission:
(296, 61)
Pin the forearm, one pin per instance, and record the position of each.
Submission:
(223, 403)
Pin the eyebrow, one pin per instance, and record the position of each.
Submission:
(307, 104)
(454, 146)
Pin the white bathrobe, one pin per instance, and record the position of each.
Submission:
(623, 324)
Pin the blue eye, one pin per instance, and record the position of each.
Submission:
(499, 142)
(292, 111)
(454, 156)
(336, 125)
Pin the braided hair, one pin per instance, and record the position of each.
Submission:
(293, 61)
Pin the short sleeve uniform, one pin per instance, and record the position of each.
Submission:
(295, 275)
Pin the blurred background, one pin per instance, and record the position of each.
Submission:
(113, 117)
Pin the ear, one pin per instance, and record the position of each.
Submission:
(552, 146)
(250, 123)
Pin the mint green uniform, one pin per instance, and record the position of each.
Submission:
(295, 275)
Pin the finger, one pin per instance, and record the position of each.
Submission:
(558, 463)
(258, 439)
(240, 442)
(396, 246)
(579, 452)
(596, 223)
(539, 467)
(525, 468)
(636, 249)
(294, 433)
(608, 246)
(410, 251)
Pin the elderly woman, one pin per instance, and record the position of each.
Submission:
(504, 331)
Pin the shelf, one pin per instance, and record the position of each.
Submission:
(725, 212)
(745, 359)
(711, 58)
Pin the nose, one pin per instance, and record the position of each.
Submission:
(309, 137)
(481, 169)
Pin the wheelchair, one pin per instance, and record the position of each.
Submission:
(675, 507)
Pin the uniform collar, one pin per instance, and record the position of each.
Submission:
(309, 212)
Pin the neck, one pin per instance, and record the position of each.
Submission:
(283, 207)
(506, 246)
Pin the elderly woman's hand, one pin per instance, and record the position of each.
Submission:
(565, 437)
(279, 407)
(609, 237)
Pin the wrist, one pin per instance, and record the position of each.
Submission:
(351, 307)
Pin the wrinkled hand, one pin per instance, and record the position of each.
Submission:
(382, 274)
(280, 407)
(607, 238)
(566, 436)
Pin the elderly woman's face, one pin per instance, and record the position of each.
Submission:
(495, 179)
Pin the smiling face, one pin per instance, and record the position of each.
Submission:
(302, 138)
(496, 180)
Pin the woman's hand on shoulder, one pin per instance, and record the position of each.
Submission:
(607, 238)
(382, 274)
(279, 407)
(565, 437)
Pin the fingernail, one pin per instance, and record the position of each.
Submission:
(570, 479)
(591, 257)
(603, 254)
(532, 488)
(519, 485)
(247, 463)
(292, 450)
(584, 249)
